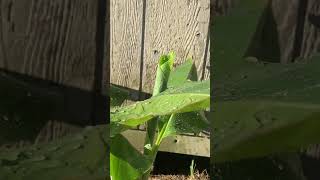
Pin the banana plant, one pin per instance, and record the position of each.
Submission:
(173, 109)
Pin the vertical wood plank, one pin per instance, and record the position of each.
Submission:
(126, 38)
(285, 14)
(107, 51)
(204, 26)
(297, 36)
(50, 39)
(206, 68)
(180, 26)
(311, 39)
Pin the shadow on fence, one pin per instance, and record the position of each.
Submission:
(27, 104)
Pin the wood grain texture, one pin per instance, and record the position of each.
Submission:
(207, 68)
(311, 34)
(55, 130)
(107, 52)
(180, 26)
(52, 40)
(298, 37)
(126, 38)
(181, 144)
(285, 14)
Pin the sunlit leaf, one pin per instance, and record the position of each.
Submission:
(190, 122)
(182, 73)
(192, 96)
(125, 160)
(164, 69)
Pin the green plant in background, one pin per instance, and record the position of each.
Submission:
(173, 109)
(80, 156)
(260, 108)
(192, 168)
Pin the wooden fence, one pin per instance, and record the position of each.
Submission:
(52, 40)
(296, 24)
(142, 30)
(295, 33)
(60, 44)
(66, 49)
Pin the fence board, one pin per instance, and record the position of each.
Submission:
(311, 35)
(126, 38)
(181, 144)
(181, 26)
(285, 14)
(206, 69)
(52, 40)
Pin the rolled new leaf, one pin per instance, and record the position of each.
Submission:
(164, 69)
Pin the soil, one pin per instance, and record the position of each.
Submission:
(197, 176)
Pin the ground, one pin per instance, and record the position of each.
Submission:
(197, 176)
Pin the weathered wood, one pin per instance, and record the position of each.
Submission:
(180, 26)
(285, 14)
(311, 35)
(286, 28)
(182, 144)
(206, 69)
(55, 130)
(143, 30)
(298, 37)
(126, 39)
(107, 51)
(51, 40)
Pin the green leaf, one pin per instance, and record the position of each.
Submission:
(200, 87)
(182, 73)
(164, 69)
(192, 96)
(288, 91)
(125, 161)
(190, 122)
(247, 129)
(78, 156)
(117, 95)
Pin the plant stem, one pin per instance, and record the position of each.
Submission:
(163, 72)
(155, 147)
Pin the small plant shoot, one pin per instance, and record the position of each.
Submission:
(174, 108)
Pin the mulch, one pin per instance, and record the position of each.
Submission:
(197, 176)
